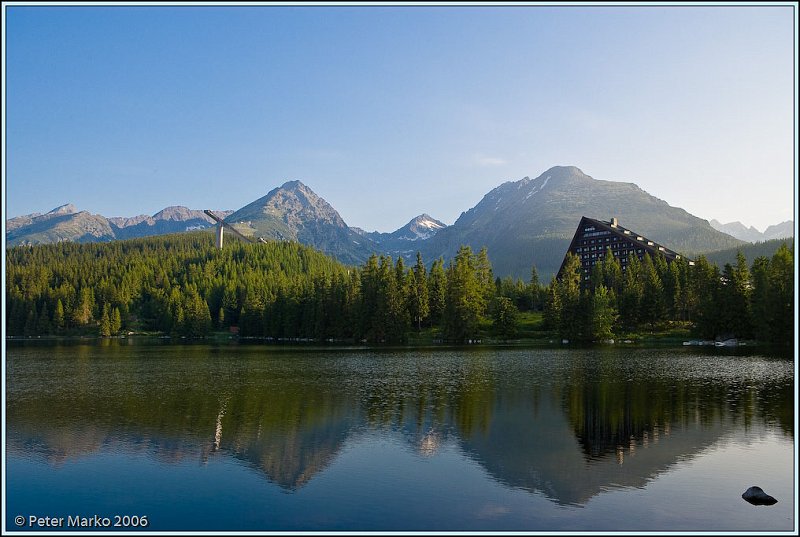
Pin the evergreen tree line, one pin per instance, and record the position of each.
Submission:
(737, 301)
(183, 286)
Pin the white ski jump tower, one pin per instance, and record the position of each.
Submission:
(221, 224)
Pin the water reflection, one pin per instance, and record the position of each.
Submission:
(568, 424)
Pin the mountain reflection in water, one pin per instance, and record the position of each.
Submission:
(568, 424)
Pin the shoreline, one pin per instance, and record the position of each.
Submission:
(308, 343)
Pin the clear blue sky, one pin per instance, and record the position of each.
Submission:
(388, 112)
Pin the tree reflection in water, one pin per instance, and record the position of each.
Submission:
(567, 423)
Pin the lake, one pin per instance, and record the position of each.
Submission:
(254, 437)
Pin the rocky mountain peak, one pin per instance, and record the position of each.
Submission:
(64, 209)
(293, 202)
(420, 227)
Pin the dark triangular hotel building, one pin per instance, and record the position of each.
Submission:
(594, 237)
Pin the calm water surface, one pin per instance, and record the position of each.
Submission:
(240, 437)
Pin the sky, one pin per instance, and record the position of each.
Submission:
(388, 112)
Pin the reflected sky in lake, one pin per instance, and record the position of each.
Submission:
(247, 437)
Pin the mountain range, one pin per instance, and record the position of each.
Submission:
(66, 223)
(751, 234)
(522, 223)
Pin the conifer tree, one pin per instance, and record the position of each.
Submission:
(553, 308)
(632, 292)
(370, 283)
(31, 321)
(534, 288)
(105, 322)
(465, 298)
(419, 304)
(570, 322)
(82, 313)
(612, 272)
(504, 317)
(652, 304)
(780, 298)
(603, 315)
(759, 298)
(483, 274)
(437, 291)
(58, 316)
(705, 286)
(43, 325)
(115, 321)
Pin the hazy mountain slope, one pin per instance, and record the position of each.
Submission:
(738, 230)
(779, 231)
(751, 234)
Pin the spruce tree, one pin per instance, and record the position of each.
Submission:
(632, 292)
(465, 300)
(534, 288)
(483, 274)
(603, 315)
(504, 317)
(58, 316)
(652, 304)
(570, 322)
(437, 290)
(759, 298)
(420, 307)
(43, 325)
(115, 321)
(105, 322)
(780, 301)
(31, 321)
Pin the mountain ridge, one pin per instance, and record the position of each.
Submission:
(67, 223)
(522, 223)
(736, 229)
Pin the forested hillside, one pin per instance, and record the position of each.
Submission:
(172, 284)
(182, 285)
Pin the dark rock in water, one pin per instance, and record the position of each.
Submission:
(757, 496)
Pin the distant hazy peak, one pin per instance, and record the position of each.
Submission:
(736, 224)
(426, 221)
(751, 234)
(779, 231)
(174, 212)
